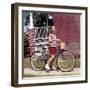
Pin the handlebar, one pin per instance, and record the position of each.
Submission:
(39, 45)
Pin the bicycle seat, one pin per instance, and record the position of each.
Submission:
(44, 48)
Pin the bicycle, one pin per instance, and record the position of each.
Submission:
(64, 59)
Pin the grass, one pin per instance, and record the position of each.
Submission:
(77, 65)
(28, 65)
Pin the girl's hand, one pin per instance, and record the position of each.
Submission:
(58, 40)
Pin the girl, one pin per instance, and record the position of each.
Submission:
(52, 47)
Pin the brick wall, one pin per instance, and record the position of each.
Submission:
(68, 29)
(31, 39)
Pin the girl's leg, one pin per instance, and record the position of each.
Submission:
(50, 60)
(47, 66)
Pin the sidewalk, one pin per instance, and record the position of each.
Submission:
(32, 73)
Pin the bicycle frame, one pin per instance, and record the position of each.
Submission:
(42, 52)
(59, 51)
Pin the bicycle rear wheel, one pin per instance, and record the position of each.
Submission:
(66, 61)
(36, 63)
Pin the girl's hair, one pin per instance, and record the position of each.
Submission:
(50, 28)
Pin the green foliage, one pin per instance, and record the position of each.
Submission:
(26, 45)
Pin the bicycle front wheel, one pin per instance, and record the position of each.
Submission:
(36, 63)
(66, 61)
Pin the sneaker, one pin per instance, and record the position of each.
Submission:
(54, 68)
(47, 67)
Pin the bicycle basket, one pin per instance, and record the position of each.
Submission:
(62, 45)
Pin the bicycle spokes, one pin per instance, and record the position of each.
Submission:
(36, 62)
(66, 61)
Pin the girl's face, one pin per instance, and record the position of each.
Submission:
(53, 30)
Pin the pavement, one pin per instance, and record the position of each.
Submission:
(29, 72)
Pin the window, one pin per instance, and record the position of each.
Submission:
(40, 22)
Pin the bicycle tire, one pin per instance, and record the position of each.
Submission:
(36, 63)
(66, 61)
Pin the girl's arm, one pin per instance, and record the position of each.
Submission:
(50, 38)
(53, 39)
(58, 40)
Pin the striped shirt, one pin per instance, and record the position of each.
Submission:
(52, 40)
